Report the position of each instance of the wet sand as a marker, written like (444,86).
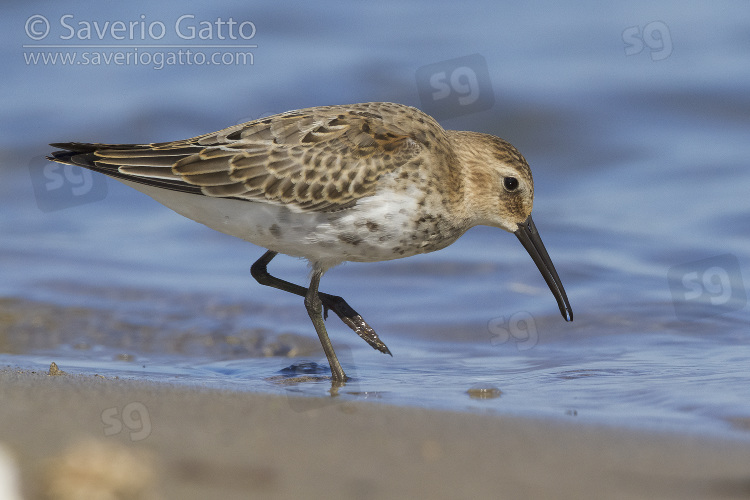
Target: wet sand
(71,434)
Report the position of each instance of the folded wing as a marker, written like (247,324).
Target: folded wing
(317,159)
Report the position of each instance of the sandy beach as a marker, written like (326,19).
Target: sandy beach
(71,435)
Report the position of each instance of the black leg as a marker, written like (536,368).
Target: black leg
(349,316)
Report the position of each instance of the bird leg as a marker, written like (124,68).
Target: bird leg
(315,308)
(344,311)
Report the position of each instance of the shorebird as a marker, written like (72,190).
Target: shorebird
(362,182)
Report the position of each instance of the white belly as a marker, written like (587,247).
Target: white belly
(379,227)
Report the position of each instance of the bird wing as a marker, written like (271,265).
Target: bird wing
(315,159)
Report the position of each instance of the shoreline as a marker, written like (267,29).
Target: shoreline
(158,440)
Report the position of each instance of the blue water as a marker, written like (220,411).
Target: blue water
(641,181)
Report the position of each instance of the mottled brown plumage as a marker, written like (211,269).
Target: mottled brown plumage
(320,159)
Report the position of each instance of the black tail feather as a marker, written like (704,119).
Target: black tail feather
(83,155)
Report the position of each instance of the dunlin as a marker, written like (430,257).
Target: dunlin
(362,182)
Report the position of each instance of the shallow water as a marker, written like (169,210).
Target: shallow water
(640,165)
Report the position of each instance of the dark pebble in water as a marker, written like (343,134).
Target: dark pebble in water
(304,367)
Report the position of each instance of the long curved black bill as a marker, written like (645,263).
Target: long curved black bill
(532,242)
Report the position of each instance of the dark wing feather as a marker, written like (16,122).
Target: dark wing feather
(321,159)
(84,155)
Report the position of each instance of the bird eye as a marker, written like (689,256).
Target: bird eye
(510,183)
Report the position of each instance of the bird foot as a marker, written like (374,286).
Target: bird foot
(353,320)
